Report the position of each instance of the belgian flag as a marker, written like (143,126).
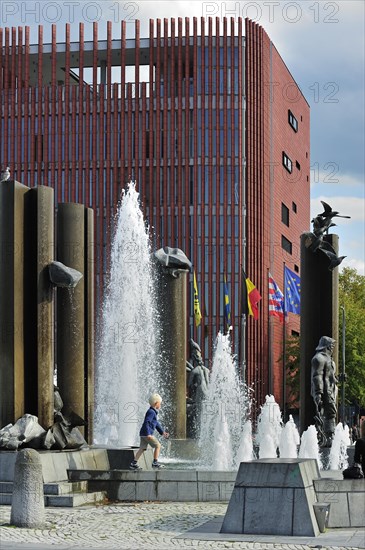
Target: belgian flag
(250,297)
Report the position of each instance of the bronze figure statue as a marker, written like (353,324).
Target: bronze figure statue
(324,390)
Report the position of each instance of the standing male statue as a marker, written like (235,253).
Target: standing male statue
(324,390)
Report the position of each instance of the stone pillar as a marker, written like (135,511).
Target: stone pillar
(318,317)
(172,299)
(39,304)
(11,301)
(27,507)
(71,309)
(89,323)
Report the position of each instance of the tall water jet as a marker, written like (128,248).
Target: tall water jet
(338,458)
(269,427)
(224,410)
(127,361)
(289,440)
(309,447)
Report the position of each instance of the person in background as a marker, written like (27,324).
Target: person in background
(359,456)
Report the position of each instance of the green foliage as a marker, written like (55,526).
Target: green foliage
(352,298)
(292,362)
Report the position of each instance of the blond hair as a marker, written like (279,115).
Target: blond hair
(154,398)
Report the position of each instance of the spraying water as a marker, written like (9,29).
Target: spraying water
(269,427)
(338,459)
(126,369)
(289,440)
(309,447)
(245,451)
(224,411)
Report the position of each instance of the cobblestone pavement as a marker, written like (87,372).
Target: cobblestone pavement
(133,526)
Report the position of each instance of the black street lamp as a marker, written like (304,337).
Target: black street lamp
(342,377)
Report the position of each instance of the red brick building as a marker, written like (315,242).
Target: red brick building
(214,130)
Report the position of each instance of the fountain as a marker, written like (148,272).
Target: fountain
(224,412)
(269,427)
(289,440)
(309,447)
(127,360)
(338,458)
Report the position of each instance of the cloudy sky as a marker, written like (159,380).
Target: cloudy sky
(321,42)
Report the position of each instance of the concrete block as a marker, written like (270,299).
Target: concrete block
(167,490)
(187,491)
(208,491)
(233,520)
(6,487)
(48,467)
(7,464)
(356,502)
(225,490)
(176,475)
(263,511)
(61,461)
(216,476)
(74,460)
(304,514)
(124,491)
(273,497)
(146,491)
(276,473)
(101,459)
(339,512)
(87,459)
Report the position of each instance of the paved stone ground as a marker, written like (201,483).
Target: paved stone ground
(138,526)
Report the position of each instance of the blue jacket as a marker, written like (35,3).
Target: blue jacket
(150,423)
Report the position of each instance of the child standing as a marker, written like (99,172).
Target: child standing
(150,424)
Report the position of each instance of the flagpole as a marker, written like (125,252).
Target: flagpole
(284,350)
(269,330)
(242,335)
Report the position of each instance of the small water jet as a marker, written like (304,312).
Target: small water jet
(224,412)
(127,360)
(289,440)
(269,427)
(338,458)
(309,447)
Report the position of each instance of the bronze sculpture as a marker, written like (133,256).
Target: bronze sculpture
(324,390)
(315,240)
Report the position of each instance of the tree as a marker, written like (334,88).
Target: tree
(292,364)
(352,298)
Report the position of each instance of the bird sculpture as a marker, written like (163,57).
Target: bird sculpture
(322,222)
(5,176)
(315,241)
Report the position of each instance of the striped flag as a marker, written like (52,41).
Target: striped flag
(197,312)
(250,297)
(276,300)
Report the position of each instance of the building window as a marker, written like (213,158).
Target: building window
(296,268)
(287,163)
(284,214)
(292,121)
(297,165)
(295,333)
(294,207)
(286,245)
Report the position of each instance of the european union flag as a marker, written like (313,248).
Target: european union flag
(292,291)
(227,307)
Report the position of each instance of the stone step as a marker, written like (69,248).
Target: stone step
(60,488)
(75,499)
(69,500)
